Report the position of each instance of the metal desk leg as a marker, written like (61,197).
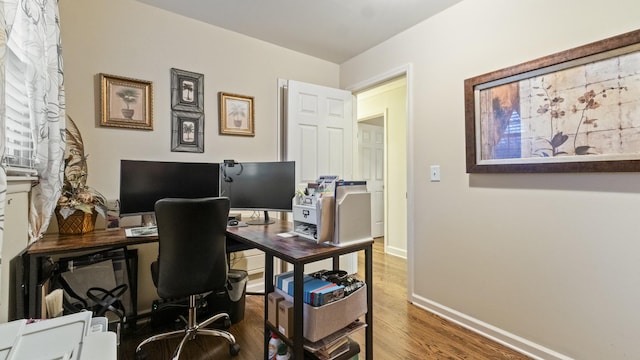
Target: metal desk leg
(268,287)
(368,263)
(33,262)
(298,317)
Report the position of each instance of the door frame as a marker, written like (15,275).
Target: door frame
(405,70)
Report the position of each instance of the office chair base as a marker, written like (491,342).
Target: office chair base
(190,333)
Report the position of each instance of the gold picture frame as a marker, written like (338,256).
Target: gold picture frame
(236,114)
(126,102)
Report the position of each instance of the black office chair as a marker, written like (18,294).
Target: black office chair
(191,262)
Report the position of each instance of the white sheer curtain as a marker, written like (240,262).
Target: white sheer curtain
(3,174)
(33,36)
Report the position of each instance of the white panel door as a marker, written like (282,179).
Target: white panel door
(371,160)
(319,128)
(319,131)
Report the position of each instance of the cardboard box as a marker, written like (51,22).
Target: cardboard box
(285,318)
(273,299)
(324,320)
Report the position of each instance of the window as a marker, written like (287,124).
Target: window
(510,142)
(19,153)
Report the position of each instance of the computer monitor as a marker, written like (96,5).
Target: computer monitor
(142,183)
(259,186)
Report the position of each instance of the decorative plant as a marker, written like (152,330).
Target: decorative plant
(188,129)
(553,107)
(187,87)
(76,195)
(128,95)
(237,113)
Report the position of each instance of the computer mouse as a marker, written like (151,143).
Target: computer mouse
(233,223)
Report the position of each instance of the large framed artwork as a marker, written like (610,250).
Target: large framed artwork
(573,111)
(126,102)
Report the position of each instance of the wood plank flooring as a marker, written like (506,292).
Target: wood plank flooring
(402,331)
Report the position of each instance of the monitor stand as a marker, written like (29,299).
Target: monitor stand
(262,221)
(148,220)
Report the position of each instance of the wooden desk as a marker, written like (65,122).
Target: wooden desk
(55,244)
(296,251)
(299,252)
(95,240)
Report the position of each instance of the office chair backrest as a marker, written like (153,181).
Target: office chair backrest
(192,245)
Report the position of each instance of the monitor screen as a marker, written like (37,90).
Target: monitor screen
(264,186)
(142,183)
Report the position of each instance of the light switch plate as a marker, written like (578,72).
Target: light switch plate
(435,172)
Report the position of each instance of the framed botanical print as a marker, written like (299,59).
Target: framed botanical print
(572,111)
(187,132)
(236,114)
(187,90)
(126,102)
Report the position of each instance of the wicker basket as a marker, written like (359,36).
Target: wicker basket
(77,223)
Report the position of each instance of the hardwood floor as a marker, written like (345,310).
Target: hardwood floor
(401,330)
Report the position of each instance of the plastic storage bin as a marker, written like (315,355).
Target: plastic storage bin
(324,320)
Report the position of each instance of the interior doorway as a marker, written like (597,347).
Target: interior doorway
(382,157)
(371,163)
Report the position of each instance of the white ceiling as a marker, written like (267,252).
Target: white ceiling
(334,30)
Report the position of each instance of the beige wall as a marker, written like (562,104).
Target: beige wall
(390,99)
(131,39)
(546,262)
(550,258)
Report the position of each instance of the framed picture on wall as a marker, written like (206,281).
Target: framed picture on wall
(573,111)
(187,90)
(236,114)
(187,132)
(126,102)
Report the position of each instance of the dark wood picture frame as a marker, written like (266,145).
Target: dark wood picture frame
(187,90)
(187,132)
(575,111)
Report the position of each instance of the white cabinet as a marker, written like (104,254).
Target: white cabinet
(15,236)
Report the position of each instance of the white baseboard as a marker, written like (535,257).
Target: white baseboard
(517,343)
(255,286)
(401,253)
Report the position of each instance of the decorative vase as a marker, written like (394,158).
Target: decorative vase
(77,223)
(127,113)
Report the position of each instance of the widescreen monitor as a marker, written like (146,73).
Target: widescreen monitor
(142,183)
(259,186)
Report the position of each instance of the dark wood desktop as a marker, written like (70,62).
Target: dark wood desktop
(294,250)
(98,239)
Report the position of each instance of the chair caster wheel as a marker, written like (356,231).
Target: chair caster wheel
(227,323)
(141,355)
(234,349)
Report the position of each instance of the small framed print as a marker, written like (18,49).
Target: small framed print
(187,90)
(236,114)
(126,102)
(187,132)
